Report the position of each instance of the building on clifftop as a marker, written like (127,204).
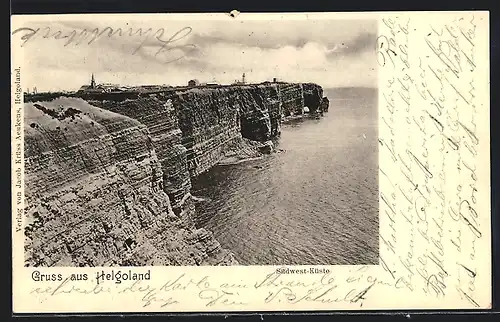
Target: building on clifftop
(242,81)
(193,82)
(100,88)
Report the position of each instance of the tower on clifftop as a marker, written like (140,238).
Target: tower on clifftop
(243,79)
(92,81)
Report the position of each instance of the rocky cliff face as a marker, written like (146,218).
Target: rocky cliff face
(269,97)
(156,111)
(94,193)
(210,124)
(313,96)
(292,98)
(325,104)
(115,169)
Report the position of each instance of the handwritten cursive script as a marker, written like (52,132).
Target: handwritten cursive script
(432,190)
(429,146)
(157,39)
(273,288)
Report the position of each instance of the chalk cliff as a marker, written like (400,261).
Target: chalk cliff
(210,125)
(157,113)
(108,175)
(94,194)
(292,98)
(295,97)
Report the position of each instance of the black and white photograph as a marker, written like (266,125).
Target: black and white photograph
(200,142)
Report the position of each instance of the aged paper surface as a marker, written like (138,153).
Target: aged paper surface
(108,180)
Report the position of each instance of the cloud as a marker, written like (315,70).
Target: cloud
(329,52)
(276,34)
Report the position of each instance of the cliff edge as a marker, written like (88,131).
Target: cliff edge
(95,197)
(108,175)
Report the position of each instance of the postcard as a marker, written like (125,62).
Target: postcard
(233,162)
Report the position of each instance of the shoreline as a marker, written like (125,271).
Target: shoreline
(292,118)
(232,161)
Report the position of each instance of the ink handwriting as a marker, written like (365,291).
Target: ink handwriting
(429,147)
(164,45)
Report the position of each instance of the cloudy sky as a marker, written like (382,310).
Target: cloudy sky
(332,53)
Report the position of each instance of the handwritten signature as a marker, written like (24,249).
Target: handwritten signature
(324,289)
(163,44)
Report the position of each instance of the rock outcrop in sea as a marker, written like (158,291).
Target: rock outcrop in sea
(108,175)
(325,104)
